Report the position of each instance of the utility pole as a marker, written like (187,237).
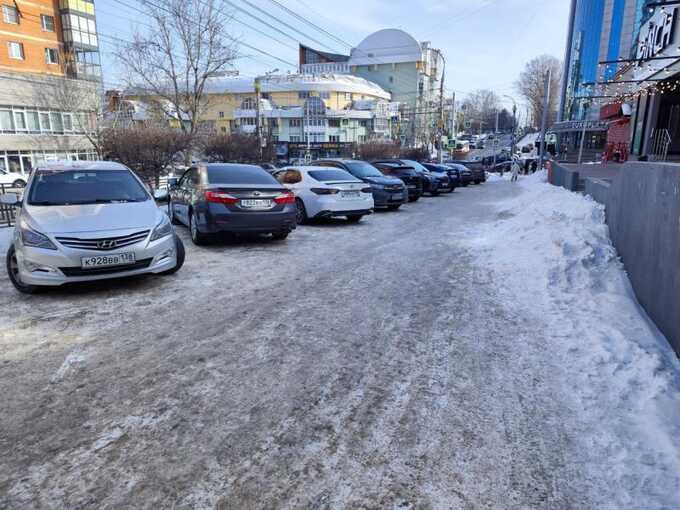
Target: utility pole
(258,128)
(544,120)
(495,142)
(441,112)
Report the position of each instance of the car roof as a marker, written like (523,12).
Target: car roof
(57,166)
(308,168)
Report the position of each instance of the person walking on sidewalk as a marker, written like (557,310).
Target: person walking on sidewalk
(515,169)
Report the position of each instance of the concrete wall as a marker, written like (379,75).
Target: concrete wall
(598,189)
(643,213)
(560,176)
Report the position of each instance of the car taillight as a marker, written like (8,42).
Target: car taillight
(325,191)
(217,197)
(367,190)
(285,198)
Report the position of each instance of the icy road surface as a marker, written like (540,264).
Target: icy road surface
(480,350)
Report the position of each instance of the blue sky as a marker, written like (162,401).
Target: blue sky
(486,42)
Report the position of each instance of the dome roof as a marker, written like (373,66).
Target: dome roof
(390,45)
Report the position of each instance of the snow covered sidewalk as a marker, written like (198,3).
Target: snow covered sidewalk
(551,257)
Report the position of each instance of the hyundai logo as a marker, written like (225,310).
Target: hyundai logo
(256,193)
(108,244)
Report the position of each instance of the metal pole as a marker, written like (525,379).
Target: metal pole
(583,134)
(544,120)
(495,141)
(258,130)
(441,110)
(514,122)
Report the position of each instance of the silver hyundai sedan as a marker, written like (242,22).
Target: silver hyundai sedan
(83,220)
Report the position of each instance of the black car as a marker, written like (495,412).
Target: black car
(218,197)
(452,173)
(410,178)
(432,184)
(388,192)
(476,169)
(464,172)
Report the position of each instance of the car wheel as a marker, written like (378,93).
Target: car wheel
(196,237)
(301,214)
(434,193)
(451,189)
(180,253)
(393,207)
(355,218)
(13,273)
(173,219)
(19,184)
(413,199)
(280,236)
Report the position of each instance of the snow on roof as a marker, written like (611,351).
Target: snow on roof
(296,83)
(386,46)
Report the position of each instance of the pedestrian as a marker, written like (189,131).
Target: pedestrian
(515,169)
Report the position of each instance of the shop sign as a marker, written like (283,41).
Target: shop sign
(656,34)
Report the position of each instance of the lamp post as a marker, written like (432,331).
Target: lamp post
(514,123)
(258,95)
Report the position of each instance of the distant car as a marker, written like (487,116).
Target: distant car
(432,184)
(476,169)
(464,173)
(218,197)
(443,177)
(88,220)
(323,192)
(388,192)
(13,179)
(452,173)
(411,179)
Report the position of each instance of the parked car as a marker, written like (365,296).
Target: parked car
(323,192)
(442,175)
(88,220)
(452,173)
(212,198)
(431,183)
(12,179)
(464,173)
(411,179)
(388,192)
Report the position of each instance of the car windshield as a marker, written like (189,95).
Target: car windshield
(331,175)
(416,165)
(239,174)
(72,187)
(362,169)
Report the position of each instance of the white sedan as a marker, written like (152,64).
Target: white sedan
(323,192)
(12,179)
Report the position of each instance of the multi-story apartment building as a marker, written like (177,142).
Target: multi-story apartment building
(410,71)
(49,81)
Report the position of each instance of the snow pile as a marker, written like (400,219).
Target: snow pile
(551,254)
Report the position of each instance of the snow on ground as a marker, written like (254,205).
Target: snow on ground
(6,234)
(552,251)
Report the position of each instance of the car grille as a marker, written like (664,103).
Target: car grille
(394,187)
(104,243)
(77,271)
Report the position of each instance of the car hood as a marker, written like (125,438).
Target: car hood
(382,180)
(64,219)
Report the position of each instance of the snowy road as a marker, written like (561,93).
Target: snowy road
(438,357)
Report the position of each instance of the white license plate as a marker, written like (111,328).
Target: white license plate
(256,204)
(350,194)
(397,196)
(118,259)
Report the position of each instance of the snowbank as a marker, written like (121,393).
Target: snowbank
(551,254)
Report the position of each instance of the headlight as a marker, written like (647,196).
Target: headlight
(35,239)
(378,186)
(163,229)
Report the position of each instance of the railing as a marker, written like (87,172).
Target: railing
(7,212)
(661,141)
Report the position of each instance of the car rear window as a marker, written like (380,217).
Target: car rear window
(332,174)
(239,174)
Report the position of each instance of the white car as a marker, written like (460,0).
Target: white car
(12,179)
(323,192)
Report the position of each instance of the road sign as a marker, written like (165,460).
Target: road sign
(468,124)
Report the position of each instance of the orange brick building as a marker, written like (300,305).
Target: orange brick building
(46,46)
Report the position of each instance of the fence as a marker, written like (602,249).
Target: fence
(7,212)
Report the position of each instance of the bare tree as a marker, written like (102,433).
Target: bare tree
(149,150)
(172,61)
(530,86)
(480,107)
(373,150)
(235,148)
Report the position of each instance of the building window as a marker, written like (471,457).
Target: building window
(16,50)
(325,95)
(333,123)
(295,139)
(265,95)
(33,122)
(51,56)
(248,104)
(345,122)
(10,14)
(348,96)
(220,115)
(294,123)
(47,23)
(334,138)
(223,129)
(6,120)
(391,79)
(45,122)
(362,138)
(274,123)
(363,123)
(57,124)
(68,122)
(304,94)
(20,120)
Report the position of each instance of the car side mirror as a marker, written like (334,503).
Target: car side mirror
(10,199)
(160,194)
(172,182)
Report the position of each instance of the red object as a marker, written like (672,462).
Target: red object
(218,197)
(285,198)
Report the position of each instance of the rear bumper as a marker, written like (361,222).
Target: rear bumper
(352,212)
(219,219)
(385,198)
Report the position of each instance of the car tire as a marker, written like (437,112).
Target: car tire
(19,184)
(393,207)
(413,199)
(354,218)
(301,213)
(451,189)
(13,273)
(280,236)
(434,193)
(196,237)
(173,219)
(180,253)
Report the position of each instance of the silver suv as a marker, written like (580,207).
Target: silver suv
(87,220)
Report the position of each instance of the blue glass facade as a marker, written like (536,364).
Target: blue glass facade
(585,49)
(615,37)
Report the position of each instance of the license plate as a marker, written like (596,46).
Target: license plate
(397,196)
(119,259)
(256,204)
(350,194)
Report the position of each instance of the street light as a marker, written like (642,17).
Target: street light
(514,115)
(258,129)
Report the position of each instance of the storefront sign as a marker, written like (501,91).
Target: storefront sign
(579,125)
(656,34)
